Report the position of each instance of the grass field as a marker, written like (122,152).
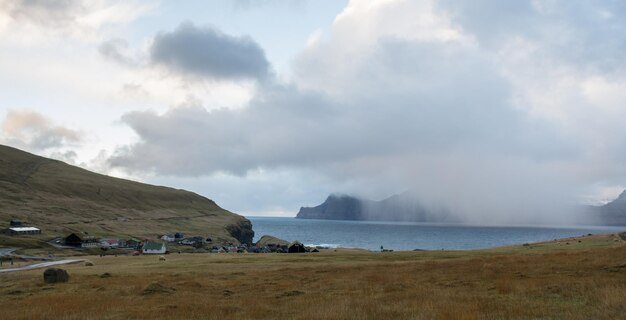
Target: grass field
(578,278)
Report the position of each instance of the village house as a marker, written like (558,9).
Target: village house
(109,243)
(90,242)
(154,248)
(192,241)
(168,238)
(15,231)
(133,243)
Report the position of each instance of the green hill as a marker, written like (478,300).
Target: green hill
(60,198)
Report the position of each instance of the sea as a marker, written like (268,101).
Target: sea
(410,236)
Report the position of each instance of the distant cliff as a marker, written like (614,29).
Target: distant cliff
(336,207)
(612,213)
(402,207)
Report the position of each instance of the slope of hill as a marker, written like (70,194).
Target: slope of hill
(402,207)
(60,198)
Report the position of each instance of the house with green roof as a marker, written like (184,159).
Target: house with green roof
(154,248)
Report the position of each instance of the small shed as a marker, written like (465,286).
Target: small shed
(168,238)
(154,248)
(16,223)
(296,247)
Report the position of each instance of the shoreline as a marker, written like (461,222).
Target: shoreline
(371,236)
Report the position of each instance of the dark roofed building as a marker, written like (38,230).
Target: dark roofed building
(73,240)
(296,247)
(15,223)
(133,243)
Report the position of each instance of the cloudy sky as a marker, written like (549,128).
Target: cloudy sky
(502,110)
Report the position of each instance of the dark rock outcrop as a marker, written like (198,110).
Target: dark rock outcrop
(242,231)
(55,275)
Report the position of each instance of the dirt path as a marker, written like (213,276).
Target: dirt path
(42,265)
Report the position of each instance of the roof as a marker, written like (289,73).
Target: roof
(153,246)
(110,241)
(21,229)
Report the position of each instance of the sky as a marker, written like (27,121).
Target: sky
(503,111)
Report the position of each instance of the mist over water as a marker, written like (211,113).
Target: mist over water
(478,190)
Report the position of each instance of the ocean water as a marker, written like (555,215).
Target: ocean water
(409,236)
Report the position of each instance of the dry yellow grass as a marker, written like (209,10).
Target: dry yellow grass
(582,280)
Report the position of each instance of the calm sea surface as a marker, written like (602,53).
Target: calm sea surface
(408,236)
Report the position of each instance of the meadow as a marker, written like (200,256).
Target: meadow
(577,278)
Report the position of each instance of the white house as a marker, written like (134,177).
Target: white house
(168,238)
(154,248)
(21,231)
(109,243)
(90,243)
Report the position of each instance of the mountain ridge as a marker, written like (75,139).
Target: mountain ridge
(404,207)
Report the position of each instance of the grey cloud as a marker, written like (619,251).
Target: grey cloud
(591,34)
(287,127)
(251,4)
(32,131)
(115,49)
(45,12)
(209,53)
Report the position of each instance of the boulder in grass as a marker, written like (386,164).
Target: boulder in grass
(156,287)
(54,275)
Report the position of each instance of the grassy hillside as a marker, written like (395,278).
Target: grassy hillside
(60,198)
(564,279)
